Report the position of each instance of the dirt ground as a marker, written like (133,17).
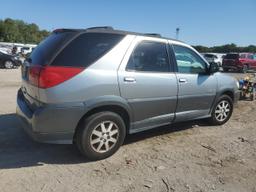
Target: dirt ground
(183,157)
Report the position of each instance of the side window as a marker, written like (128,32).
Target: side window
(149,56)
(188,61)
(250,56)
(86,49)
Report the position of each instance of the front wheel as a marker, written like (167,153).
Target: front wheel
(100,135)
(8,64)
(222,110)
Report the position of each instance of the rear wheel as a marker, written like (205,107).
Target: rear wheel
(222,110)
(225,69)
(8,64)
(100,135)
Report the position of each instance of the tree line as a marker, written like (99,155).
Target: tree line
(225,48)
(17,31)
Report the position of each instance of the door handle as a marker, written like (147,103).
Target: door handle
(182,80)
(130,79)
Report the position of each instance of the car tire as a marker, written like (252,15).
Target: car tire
(8,64)
(245,68)
(100,135)
(225,69)
(222,110)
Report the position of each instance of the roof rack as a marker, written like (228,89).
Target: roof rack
(63,30)
(101,27)
(153,34)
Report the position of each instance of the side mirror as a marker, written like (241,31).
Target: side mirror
(213,68)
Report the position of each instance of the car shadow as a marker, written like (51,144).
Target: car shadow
(17,150)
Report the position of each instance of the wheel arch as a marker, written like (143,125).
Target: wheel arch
(229,93)
(121,108)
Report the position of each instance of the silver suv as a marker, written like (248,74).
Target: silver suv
(92,87)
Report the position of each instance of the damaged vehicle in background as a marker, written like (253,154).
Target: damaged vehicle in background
(9,61)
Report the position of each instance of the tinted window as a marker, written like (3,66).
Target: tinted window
(44,52)
(188,61)
(210,56)
(86,49)
(232,56)
(250,56)
(149,56)
(242,55)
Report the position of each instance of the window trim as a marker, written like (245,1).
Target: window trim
(175,60)
(151,41)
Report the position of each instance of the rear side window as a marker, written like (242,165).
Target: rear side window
(44,52)
(86,49)
(149,56)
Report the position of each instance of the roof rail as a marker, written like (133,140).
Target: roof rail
(101,27)
(63,30)
(153,34)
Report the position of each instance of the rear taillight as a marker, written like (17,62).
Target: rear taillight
(33,74)
(50,76)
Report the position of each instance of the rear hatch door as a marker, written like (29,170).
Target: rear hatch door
(41,56)
(231,59)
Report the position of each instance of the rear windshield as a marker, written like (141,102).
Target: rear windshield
(44,52)
(209,55)
(86,49)
(232,56)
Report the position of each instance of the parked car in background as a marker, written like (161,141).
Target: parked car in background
(93,87)
(5,50)
(9,61)
(26,50)
(213,58)
(241,62)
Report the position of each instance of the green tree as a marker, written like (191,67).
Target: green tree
(20,32)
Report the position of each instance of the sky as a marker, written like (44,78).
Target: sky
(201,22)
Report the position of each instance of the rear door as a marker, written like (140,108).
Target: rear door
(197,89)
(147,82)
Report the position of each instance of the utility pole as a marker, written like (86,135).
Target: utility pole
(177,32)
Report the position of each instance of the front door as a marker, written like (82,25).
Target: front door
(197,88)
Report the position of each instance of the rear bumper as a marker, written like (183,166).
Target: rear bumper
(49,123)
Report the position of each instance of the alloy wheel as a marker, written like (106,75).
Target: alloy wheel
(222,110)
(8,64)
(104,136)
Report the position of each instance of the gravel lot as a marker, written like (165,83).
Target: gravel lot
(183,157)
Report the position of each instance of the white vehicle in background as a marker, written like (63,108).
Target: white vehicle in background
(214,58)
(20,47)
(26,50)
(5,50)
